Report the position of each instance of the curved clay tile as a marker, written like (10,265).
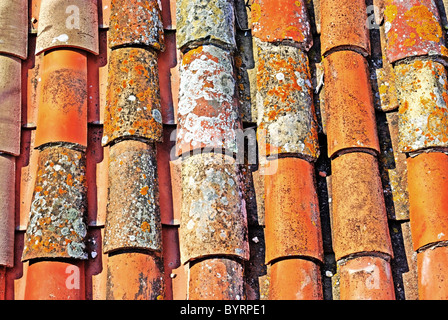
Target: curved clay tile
(62,115)
(286,119)
(63,23)
(133,96)
(10,104)
(295,279)
(344,26)
(359,221)
(7,207)
(133,213)
(208,114)
(201,22)
(292,216)
(285,22)
(433,270)
(413,28)
(351,121)
(57,227)
(213,217)
(14,28)
(423,113)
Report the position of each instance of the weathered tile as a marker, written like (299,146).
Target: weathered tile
(213,215)
(427,183)
(65,24)
(133,212)
(216,279)
(169,14)
(350,115)
(432,269)
(292,217)
(288,23)
(359,220)
(295,279)
(56,228)
(136,23)
(286,119)
(14,28)
(366,278)
(423,113)
(343,26)
(413,28)
(133,96)
(104,8)
(202,22)
(208,114)
(7,207)
(55,280)
(62,115)
(134,276)
(10,104)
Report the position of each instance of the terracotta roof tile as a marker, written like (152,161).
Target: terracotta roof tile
(432,265)
(55,280)
(292,212)
(133,213)
(413,28)
(349,107)
(366,278)
(344,26)
(64,24)
(10,104)
(295,279)
(216,279)
(134,276)
(14,28)
(213,23)
(104,8)
(422,86)
(359,220)
(288,23)
(287,122)
(208,114)
(133,96)
(427,178)
(62,115)
(134,22)
(60,183)
(7,207)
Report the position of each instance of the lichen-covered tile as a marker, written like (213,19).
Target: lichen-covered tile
(201,22)
(136,23)
(287,23)
(10,104)
(423,113)
(134,276)
(413,28)
(344,26)
(7,207)
(133,96)
(359,219)
(349,110)
(366,278)
(216,279)
(208,113)
(57,227)
(427,183)
(213,215)
(63,23)
(133,212)
(14,28)
(292,216)
(286,119)
(62,114)
(295,279)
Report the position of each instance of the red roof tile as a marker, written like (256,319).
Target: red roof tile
(432,266)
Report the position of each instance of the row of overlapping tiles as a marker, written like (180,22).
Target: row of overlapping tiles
(286,125)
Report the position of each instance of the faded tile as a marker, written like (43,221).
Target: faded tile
(7,207)
(14,28)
